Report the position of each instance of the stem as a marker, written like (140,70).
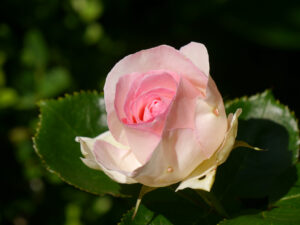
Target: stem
(144,190)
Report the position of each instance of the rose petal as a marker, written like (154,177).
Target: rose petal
(123,87)
(226,148)
(197,53)
(138,106)
(87,146)
(162,57)
(182,112)
(157,79)
(211,121)
(116,128)
(175,157)
(204,182)
(115,125)
(141,142)
(185,99)
(218,158)
(180,139)
(113,155)
(145,83)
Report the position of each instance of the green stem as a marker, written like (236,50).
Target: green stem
(144,190)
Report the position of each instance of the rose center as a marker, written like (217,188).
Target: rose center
(156,107)
(149,96)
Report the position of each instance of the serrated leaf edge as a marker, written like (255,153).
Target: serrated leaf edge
(128,212)
(263,94)
(39,125)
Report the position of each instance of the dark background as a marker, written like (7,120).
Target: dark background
(48,48)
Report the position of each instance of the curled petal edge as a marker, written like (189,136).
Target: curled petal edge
(89,159)
(198,54)
(204,175)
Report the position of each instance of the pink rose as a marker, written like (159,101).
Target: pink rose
(166,119)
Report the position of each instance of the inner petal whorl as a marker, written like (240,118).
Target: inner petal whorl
(149,96)
(156,107)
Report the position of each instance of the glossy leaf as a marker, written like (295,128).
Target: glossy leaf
(60,122)
(253,179)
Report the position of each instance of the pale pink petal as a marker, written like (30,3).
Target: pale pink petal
(145,83)
(113,155)
(123,86)
(89,158)
(179,139)
(207,167)
(157,79)
(180,115)
(211,120)
(116,128)
(183,109)
(141,142)
(137,107)
(86,147)
(197,53)
(176,156)
(140,83)
(159,58)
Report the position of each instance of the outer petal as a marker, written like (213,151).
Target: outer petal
(208,167)
(113,155)
(204,182)
(116,128)
(90,158)
(176,156)
(197,52)
(141,142)
(211,121)
(228,144)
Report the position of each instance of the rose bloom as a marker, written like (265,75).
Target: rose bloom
(166,120)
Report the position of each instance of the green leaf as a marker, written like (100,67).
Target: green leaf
(253,179)
(144,216)
(60,122)
(264,106)
(285,212)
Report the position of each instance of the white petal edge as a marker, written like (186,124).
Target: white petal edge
(86,146)
(208,167)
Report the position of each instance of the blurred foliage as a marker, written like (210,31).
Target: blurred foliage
(48,48)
